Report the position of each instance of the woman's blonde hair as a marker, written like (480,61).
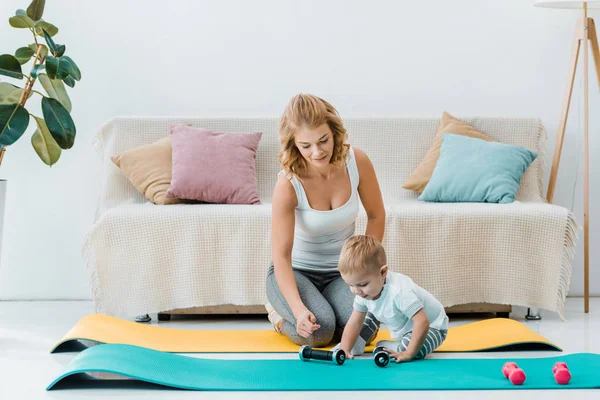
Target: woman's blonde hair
(308,111)
(360,253)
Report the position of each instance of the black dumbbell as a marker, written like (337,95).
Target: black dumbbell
(307,353)
(381,357)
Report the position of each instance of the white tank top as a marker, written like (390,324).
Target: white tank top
(320,235)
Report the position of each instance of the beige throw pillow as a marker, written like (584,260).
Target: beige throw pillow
(448,124)
(148,168)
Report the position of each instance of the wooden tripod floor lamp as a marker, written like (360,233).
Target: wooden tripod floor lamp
(585,38)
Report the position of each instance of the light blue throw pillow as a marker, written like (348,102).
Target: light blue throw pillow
(474,170)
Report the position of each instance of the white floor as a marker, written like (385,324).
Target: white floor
(29,329)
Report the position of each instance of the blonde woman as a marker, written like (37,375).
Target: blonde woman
(315,205)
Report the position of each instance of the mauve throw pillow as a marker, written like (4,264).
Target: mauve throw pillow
(214,167)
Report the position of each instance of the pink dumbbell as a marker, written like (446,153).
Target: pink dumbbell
(559,364)
(515,374)
(562,376)
(509,366)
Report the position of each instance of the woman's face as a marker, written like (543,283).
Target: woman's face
(315,145)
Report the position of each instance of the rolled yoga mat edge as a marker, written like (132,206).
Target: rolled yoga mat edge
(184,372)
(486,335)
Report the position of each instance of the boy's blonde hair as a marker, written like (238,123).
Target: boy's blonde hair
(308,111)
(361,252)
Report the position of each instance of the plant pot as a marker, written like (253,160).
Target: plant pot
(2,201)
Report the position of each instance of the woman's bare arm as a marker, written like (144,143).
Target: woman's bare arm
(370,196)
(282,241)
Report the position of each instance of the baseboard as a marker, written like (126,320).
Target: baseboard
(260,309)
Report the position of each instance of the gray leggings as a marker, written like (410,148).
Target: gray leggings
(327,296)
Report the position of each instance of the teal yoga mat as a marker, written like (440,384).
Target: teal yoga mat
(182,372)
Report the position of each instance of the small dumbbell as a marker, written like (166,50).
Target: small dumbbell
(561,372)
(381,357)
(559,364)
(515,374)
(307,353)
(507,368)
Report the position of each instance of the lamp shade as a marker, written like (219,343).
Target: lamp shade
(567,3)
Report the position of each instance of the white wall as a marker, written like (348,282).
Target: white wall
(207,58)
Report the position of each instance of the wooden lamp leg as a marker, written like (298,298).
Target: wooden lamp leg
(585,34)
(586,162)
(594,46)
(593,39)
(560,134)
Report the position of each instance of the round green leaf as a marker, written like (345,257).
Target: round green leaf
(14,120)
(23,54)
(10,66)
(44,144)
(60,50)
(59,122)
(43,52)
(10,94)
(41,26)
(69,81)
(49,41)
(56,90)
(21,21)
(57,68)
(36,9)
(75,72)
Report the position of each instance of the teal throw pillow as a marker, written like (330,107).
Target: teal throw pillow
(474,170)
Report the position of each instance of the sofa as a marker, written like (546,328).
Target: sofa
(212,258)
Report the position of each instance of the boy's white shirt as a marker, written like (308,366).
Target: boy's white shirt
(400,300)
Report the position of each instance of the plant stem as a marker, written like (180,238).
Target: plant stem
(30,80)
(28,86)
(34,37)
(40,93)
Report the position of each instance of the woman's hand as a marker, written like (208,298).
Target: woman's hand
(306,323)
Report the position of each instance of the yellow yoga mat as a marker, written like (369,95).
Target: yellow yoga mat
(496,333)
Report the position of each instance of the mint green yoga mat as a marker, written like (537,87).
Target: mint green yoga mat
(182,372)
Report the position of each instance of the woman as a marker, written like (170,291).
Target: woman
(315,205)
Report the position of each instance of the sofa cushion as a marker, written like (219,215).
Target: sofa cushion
(400,147)
(448,124)
(148,168)
(214,167)
(474,170)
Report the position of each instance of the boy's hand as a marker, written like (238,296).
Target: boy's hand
(348,355)
(401,356)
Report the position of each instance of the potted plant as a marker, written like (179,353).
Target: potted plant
(53,69)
